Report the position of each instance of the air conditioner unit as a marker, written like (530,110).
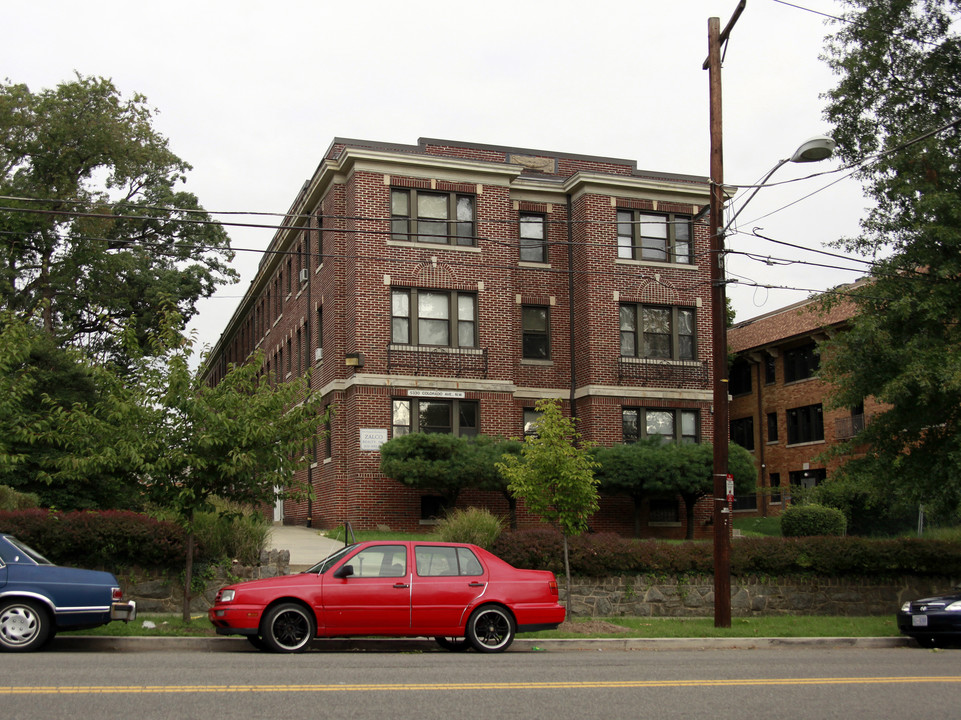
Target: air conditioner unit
(304,275)
(318,354)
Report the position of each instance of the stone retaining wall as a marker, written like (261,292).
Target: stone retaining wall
(640,595)
(646,596)
(164,592)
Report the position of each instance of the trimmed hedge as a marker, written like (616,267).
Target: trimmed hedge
(602,554)
(812,519)
(109,539)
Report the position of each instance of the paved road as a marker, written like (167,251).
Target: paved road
(783,684)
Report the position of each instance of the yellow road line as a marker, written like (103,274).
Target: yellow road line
(441,687)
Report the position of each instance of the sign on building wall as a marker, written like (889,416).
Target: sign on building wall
(449,394)
(372,438)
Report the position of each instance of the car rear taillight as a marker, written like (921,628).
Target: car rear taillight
(116,594)
(553,587)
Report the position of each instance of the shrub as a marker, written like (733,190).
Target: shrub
(11,499)
(111,539)
(812,519)
(231,532)
(825,556)
(472,525)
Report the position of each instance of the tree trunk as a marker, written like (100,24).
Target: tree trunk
(567,571)
(188,575)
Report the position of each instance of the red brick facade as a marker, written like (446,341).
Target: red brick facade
(340,262)
(773,377)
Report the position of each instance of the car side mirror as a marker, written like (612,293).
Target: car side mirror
(344,571)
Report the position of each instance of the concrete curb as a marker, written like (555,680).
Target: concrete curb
(80,643)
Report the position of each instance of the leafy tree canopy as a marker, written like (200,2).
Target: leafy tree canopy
(94,230)
(899,97)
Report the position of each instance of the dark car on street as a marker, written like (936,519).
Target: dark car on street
(933,621)
(38,598)
(459,594)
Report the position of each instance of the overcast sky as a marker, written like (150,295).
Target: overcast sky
(252,93)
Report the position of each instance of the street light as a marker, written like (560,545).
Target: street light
(816,149)
(813,150)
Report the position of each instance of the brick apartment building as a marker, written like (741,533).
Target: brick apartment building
(448,286)
(778,406)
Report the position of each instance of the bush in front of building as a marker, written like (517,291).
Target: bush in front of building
(812,520)
(11,499)
(110,539)
(600,555)
(471,525)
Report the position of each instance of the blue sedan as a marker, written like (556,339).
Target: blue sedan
(38,598)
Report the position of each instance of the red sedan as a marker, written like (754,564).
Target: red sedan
(460,594)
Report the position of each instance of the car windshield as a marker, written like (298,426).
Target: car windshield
(325,564)
(28,552)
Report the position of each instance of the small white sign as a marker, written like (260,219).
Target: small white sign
(451,394)
(372,438)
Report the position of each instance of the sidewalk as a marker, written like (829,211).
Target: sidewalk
(307,546)
(67,643)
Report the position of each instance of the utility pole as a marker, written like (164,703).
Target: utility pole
(722,513)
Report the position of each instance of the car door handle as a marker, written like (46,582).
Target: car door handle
(401,586)
(476,584)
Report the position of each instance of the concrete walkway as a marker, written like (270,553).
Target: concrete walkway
(307,546)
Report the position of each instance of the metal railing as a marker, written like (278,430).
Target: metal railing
(428,360)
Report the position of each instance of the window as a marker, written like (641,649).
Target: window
(533,238)
(328,432)
(800,363)
(740,377)
(770,370)
(772,427)
(531,418)
(535,320)
(663,511)
(320,239)
(808,478)
(660,238)
(775,482)
(655,332)
(742,432)
(441,561)
(672,425)
(319,350)
(433,317)
(380,561)
(805,424)
(453,417)
(444,218)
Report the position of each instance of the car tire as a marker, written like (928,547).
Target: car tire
(490,629)
(453,644)
(257,642)
(287,628)
(927,641)
(24,626)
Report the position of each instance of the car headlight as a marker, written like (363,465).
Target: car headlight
(227,595)
(906,607)
(954,607)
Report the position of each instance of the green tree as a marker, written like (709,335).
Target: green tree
(554,476)
(94,230)
(61,423)
(625,470)
(899,99)
(688,471)
(447,464)
(240,440)
(52,377)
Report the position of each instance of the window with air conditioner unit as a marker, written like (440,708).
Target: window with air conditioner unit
(303,275)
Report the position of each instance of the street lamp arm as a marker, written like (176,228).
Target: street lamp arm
(816,149)
(751,196)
